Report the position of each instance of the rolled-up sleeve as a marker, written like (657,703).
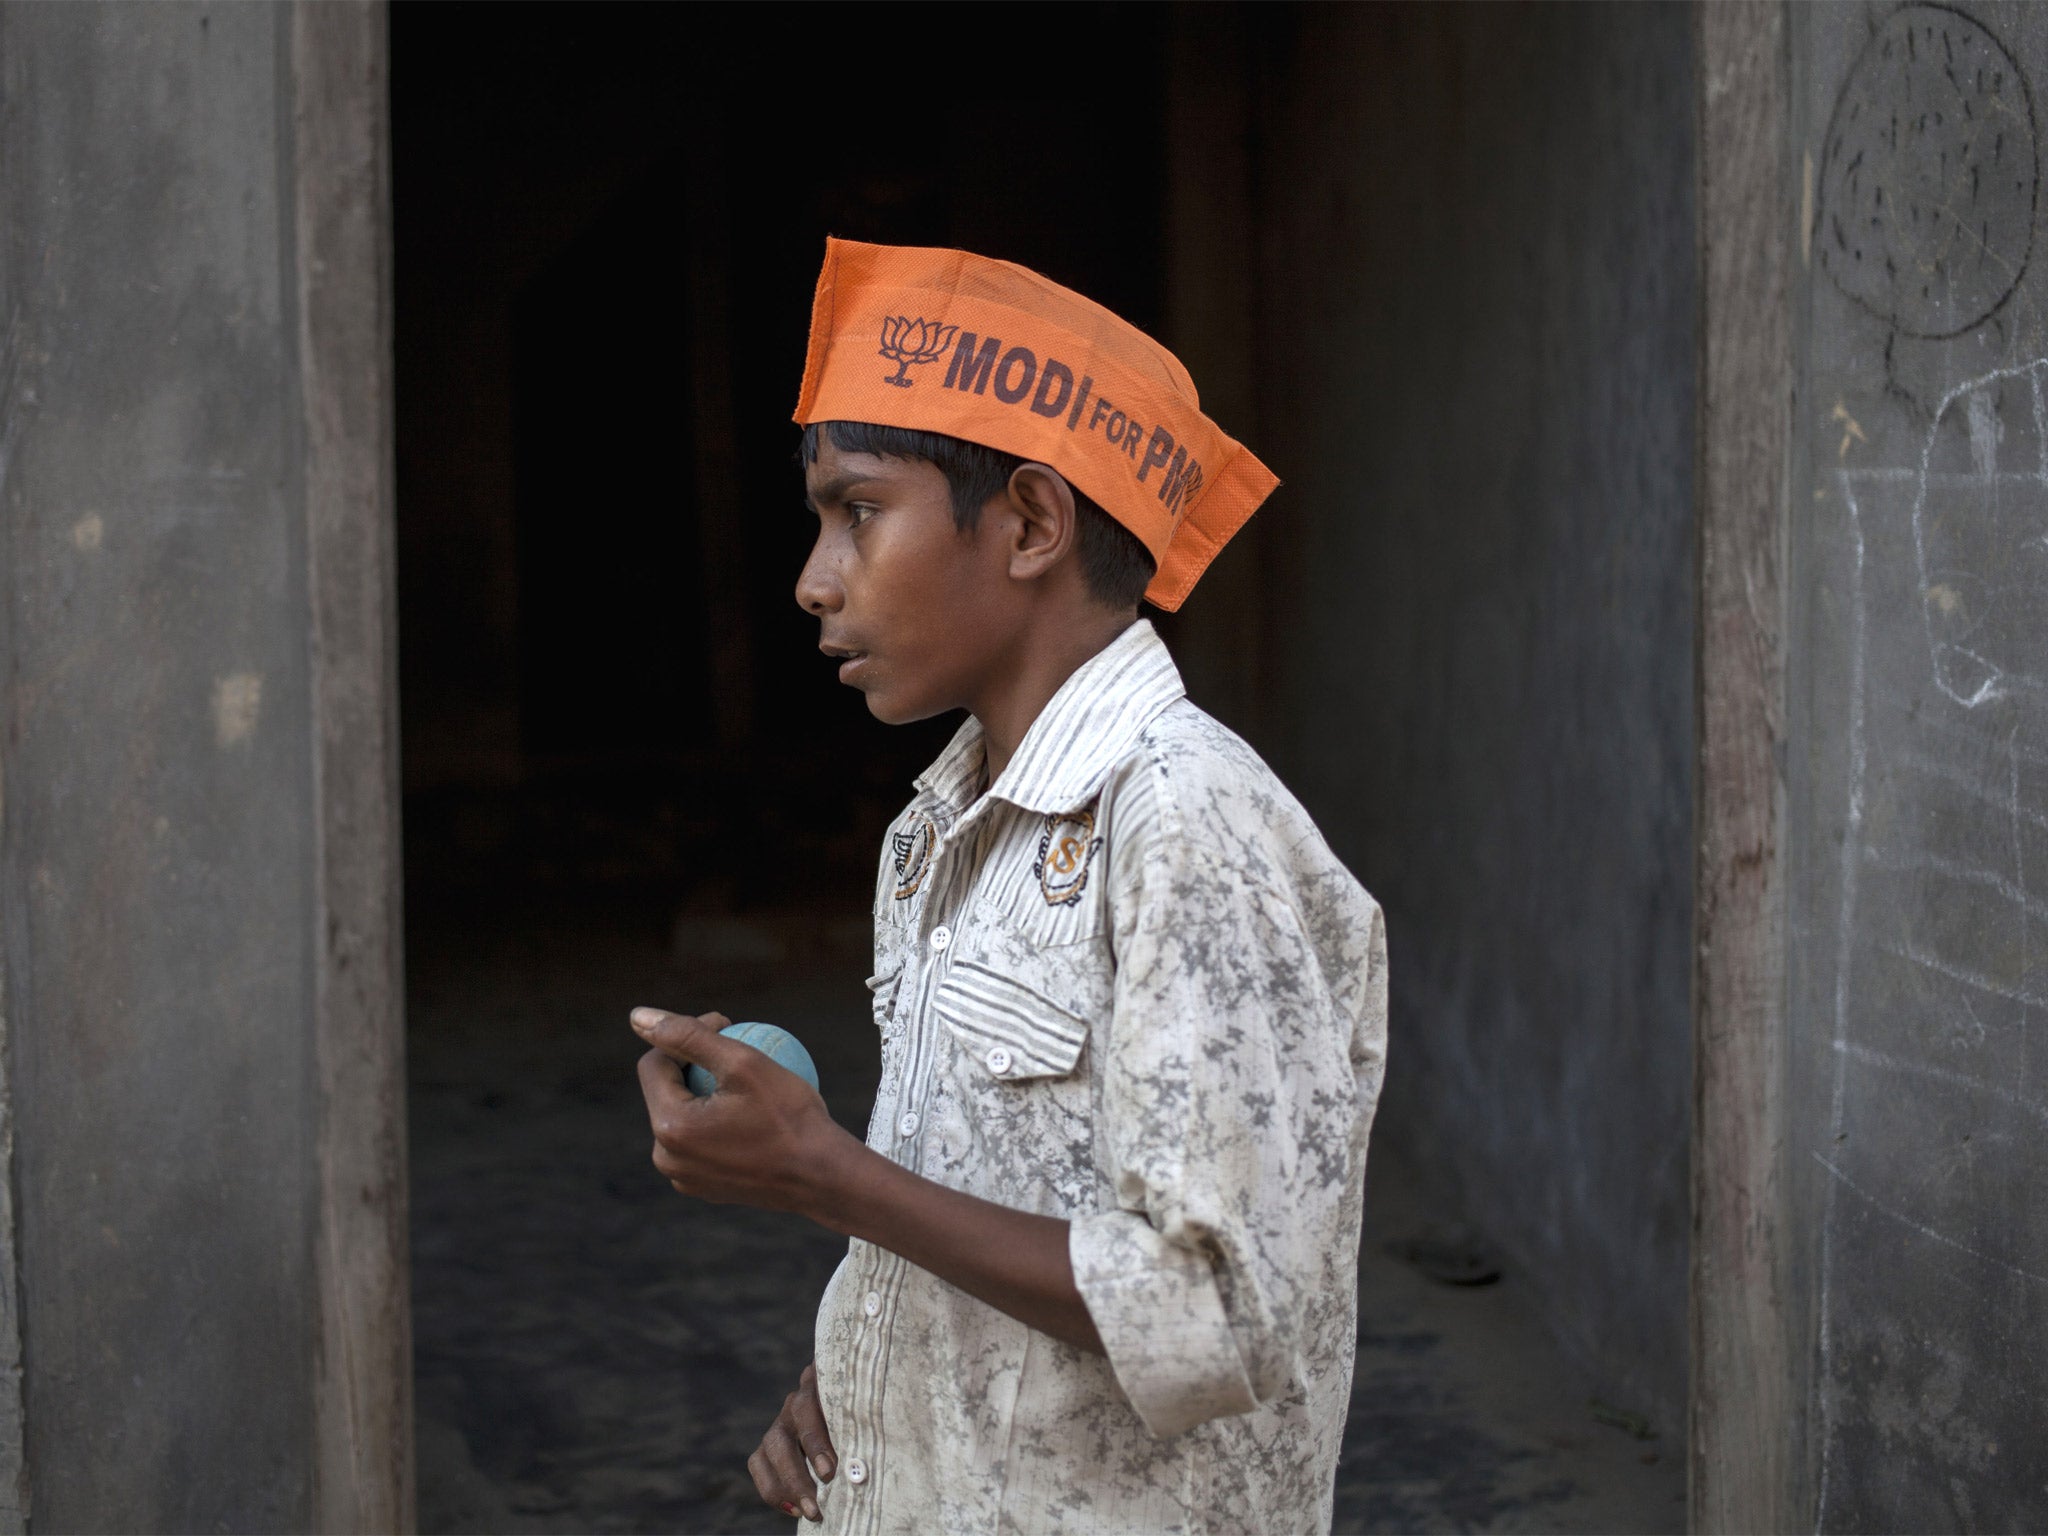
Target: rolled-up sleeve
(1232,1113)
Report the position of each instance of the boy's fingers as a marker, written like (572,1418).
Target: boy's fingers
(768,1485)
(683,1038)
(773,1484)
(786,1465)
(661,1081)
(667,1164)
(809,1420)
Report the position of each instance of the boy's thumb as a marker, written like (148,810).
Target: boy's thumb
(680,1037)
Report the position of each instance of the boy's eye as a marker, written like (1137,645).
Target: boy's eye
(858,512)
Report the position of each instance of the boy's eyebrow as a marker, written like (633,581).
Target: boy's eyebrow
(834,489)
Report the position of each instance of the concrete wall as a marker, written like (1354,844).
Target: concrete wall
(1472,235)
(1917,687)
(197,898)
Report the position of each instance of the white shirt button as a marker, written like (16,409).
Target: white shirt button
(907,1126)
(873,1304)
(941,937)
(856,1471)
(998,1060)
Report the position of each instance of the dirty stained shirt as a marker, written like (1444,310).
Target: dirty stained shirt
(1129,986)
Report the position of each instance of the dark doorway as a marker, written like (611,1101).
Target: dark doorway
(630,777)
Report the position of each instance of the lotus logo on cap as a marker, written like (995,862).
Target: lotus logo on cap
(906,341)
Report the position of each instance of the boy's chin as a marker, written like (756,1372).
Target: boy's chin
(893,708)
(880,706)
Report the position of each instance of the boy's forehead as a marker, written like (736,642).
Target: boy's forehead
(835,471)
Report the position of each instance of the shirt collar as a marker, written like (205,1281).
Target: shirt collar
(1077,738)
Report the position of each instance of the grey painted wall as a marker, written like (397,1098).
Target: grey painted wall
(1472,234)
(1918,765)
(192,611)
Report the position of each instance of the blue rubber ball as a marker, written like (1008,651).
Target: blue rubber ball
(778,1045)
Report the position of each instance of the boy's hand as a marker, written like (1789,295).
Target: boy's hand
(796,1439)
(763,1139)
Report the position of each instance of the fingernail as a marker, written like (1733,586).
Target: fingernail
(822,1465)
(646,1018)
(810,1509)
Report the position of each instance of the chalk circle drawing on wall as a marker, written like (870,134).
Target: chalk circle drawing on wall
(1929,175)
(1980,536)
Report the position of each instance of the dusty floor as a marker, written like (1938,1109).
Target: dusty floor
(597,1354)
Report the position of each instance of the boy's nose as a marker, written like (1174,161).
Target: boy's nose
(817,590)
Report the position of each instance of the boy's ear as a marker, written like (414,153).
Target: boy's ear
(1047,521)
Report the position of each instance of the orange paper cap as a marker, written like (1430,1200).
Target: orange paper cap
(946,341)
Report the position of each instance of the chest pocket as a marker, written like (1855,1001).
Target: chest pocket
(1022,1008)
(1016,1031)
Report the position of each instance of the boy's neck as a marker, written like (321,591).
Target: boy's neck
(1012,701)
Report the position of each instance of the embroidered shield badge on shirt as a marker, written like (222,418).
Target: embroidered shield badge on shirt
(913,847)
(1065,850)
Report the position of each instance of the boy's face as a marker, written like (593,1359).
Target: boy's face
(920,611)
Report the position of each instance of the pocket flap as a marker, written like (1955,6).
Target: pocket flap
(1002,1020)
(884,987)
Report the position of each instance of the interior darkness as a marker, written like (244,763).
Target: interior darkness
(629,774)
(608,224)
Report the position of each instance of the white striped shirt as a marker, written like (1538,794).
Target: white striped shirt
(1129,986)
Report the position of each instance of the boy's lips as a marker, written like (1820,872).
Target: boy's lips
(850,660)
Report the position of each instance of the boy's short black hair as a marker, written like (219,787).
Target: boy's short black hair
(1115,565)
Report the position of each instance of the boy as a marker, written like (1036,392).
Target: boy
(1103,1246)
